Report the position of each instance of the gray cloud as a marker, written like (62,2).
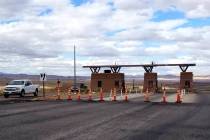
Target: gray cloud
(45,43)
(12,8)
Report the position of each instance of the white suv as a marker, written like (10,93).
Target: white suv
(20,87)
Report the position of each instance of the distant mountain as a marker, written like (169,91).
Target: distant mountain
(37,77)
(85,78)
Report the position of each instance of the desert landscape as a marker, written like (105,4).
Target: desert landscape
(104,69)
(201,84)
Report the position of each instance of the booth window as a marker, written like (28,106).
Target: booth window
(187,84)
(117,83)
(99,84)
(150,84)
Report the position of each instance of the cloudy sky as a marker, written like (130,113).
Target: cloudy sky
(39,35)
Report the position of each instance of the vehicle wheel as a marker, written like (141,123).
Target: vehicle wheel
(36,92)
(22,93)
(6,95)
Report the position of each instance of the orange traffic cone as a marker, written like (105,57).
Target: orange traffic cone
(59,96)
(58,93)
(178,98)
(111,95)
(164,96)
(69,95)
(90,95)
(164,99)
(146,96)
(58,90)
(101,95)
(78,96)
(114,96)
(126,95)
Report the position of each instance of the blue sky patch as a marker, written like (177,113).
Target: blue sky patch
(45,12)
(112,33)
(156,43)
(197,23)
(78,2)
(111,4)
(167,15)
(8,21)
(175,14)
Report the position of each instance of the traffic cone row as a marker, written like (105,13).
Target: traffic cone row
(114,98)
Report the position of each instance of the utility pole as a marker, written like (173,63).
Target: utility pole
(133,84)
(43,78)
(43,88)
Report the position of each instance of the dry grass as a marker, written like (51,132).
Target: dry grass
(1,90)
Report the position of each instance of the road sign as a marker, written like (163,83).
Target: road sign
(43,77)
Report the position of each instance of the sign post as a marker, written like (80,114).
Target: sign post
(58,89)
(43,78)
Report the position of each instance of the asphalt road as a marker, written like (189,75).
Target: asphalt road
(134,120)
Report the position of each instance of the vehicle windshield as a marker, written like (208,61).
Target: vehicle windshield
(16,83)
